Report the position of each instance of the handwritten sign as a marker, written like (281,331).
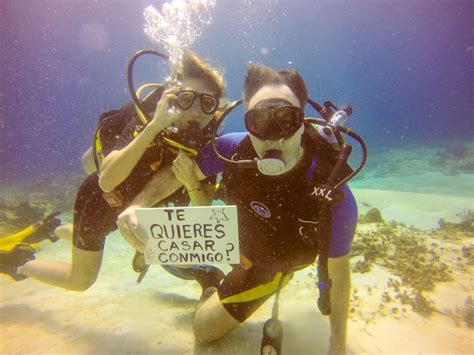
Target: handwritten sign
(190,235)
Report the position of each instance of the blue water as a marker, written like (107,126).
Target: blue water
(405,66)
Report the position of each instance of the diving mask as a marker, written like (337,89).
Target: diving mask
(185,99)
(276,123)
(191,135)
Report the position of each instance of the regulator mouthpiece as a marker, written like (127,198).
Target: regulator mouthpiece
(191,136)
(271,164)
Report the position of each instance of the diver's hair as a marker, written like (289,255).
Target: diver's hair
(259,75)
(193,67)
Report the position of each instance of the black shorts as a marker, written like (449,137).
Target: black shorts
(242,291)
(93,216)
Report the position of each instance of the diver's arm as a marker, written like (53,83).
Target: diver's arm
(169,179)
(118,165)
(162,185)
(202,195)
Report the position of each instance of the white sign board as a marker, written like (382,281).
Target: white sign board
(190,235)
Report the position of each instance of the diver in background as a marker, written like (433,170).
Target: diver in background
(278,220)
(188,107)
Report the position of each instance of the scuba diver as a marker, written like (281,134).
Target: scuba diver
(172,119)
(287,178)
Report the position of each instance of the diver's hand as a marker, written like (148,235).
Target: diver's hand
(165,113)
(127,223)
(185,170)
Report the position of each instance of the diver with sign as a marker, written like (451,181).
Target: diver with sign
(287,176)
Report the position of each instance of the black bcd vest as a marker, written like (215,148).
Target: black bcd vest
(278,220)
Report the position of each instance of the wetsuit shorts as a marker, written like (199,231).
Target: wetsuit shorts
(243,291)
(93,217)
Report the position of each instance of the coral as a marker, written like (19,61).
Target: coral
(407,296)
(419,260)
(362,266)
(422,304)
(467,219)
(466,222)
(459,151)
(29,203)
(20,215)
(372,216)
(457,158)
(403,253)
(442,223)
(468,253)
(468,313)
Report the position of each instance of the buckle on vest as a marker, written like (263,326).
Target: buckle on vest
(113,198)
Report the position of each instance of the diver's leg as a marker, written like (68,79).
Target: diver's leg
(76,276)
(339,273)
(93,220)
(240,294)
(212,321)
(64,231)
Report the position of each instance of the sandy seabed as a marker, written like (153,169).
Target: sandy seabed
(117,315)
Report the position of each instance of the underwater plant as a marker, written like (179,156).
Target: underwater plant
(468,313)
(372,216)
(456,159)
(466,223)
(407,255)
(467,219)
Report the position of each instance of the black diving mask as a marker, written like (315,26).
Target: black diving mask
(192,136)
(185,99)
(273,123)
